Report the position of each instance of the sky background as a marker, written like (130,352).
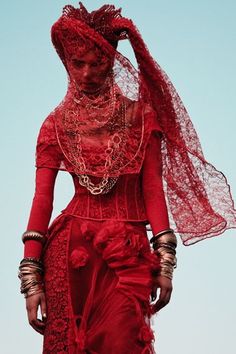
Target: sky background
(194,42)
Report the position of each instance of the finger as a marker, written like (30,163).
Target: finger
(38,326)
(43,308)
(159,304)
(153,297)
(154,293)
(168,296)
(36,323)
(162,301)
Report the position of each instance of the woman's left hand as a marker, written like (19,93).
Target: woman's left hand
(165,285)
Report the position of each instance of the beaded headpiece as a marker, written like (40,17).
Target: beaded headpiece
(100,20)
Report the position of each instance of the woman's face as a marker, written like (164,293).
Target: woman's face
(89,70)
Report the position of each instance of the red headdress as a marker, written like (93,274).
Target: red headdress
(198,196)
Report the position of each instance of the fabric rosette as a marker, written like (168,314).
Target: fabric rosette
(79,257)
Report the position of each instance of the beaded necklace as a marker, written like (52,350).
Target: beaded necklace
(100,109)
(114,111)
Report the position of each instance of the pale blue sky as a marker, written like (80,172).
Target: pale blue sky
(195,43)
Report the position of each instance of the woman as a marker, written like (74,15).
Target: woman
(119,133)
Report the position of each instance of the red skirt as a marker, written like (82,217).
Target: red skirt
(98,280)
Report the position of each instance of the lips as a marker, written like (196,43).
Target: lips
(89,87)
(89,84)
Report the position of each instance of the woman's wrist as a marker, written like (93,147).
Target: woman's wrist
(164,246)
(31,276)
(34,242)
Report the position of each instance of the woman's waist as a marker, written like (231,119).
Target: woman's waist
(118,206)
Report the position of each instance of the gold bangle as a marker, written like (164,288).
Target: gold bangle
(168,246)
(33,235)
(159,234)
(166,241)
(34,292)
(168,262)
(166,274)
(31,260)
(170,238)
(30,273)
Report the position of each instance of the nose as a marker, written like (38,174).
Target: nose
(87,72)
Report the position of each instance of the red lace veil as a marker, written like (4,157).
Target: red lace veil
(198,196)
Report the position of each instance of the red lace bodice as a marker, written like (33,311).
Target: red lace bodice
(135,197)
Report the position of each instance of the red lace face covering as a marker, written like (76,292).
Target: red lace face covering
(90,72)
(100,124)
(105,121)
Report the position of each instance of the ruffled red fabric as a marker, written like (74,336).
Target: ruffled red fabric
(109,290)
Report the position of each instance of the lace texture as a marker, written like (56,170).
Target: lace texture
(198,195)
(56,147)
(125,249)
(58,330)
(199,200)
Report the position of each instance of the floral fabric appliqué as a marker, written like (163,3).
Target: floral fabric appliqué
(79,257)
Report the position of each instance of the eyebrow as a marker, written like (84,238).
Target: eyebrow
(77,59)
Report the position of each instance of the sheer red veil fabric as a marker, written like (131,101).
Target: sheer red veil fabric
(198,196)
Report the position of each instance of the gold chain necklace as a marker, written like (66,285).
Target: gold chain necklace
(106,183)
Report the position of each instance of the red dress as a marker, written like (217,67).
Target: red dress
(97,258)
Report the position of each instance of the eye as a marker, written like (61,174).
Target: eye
(95,64)
(78,63)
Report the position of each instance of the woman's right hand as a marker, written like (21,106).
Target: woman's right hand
(32,304)
(165,286)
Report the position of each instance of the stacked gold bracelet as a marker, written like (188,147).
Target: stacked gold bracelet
(31,276)
(164,245)
(33,235)
(31,269)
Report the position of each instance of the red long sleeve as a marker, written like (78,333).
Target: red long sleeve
(41,209)
(154,197)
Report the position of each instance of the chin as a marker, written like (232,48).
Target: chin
(90,89)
